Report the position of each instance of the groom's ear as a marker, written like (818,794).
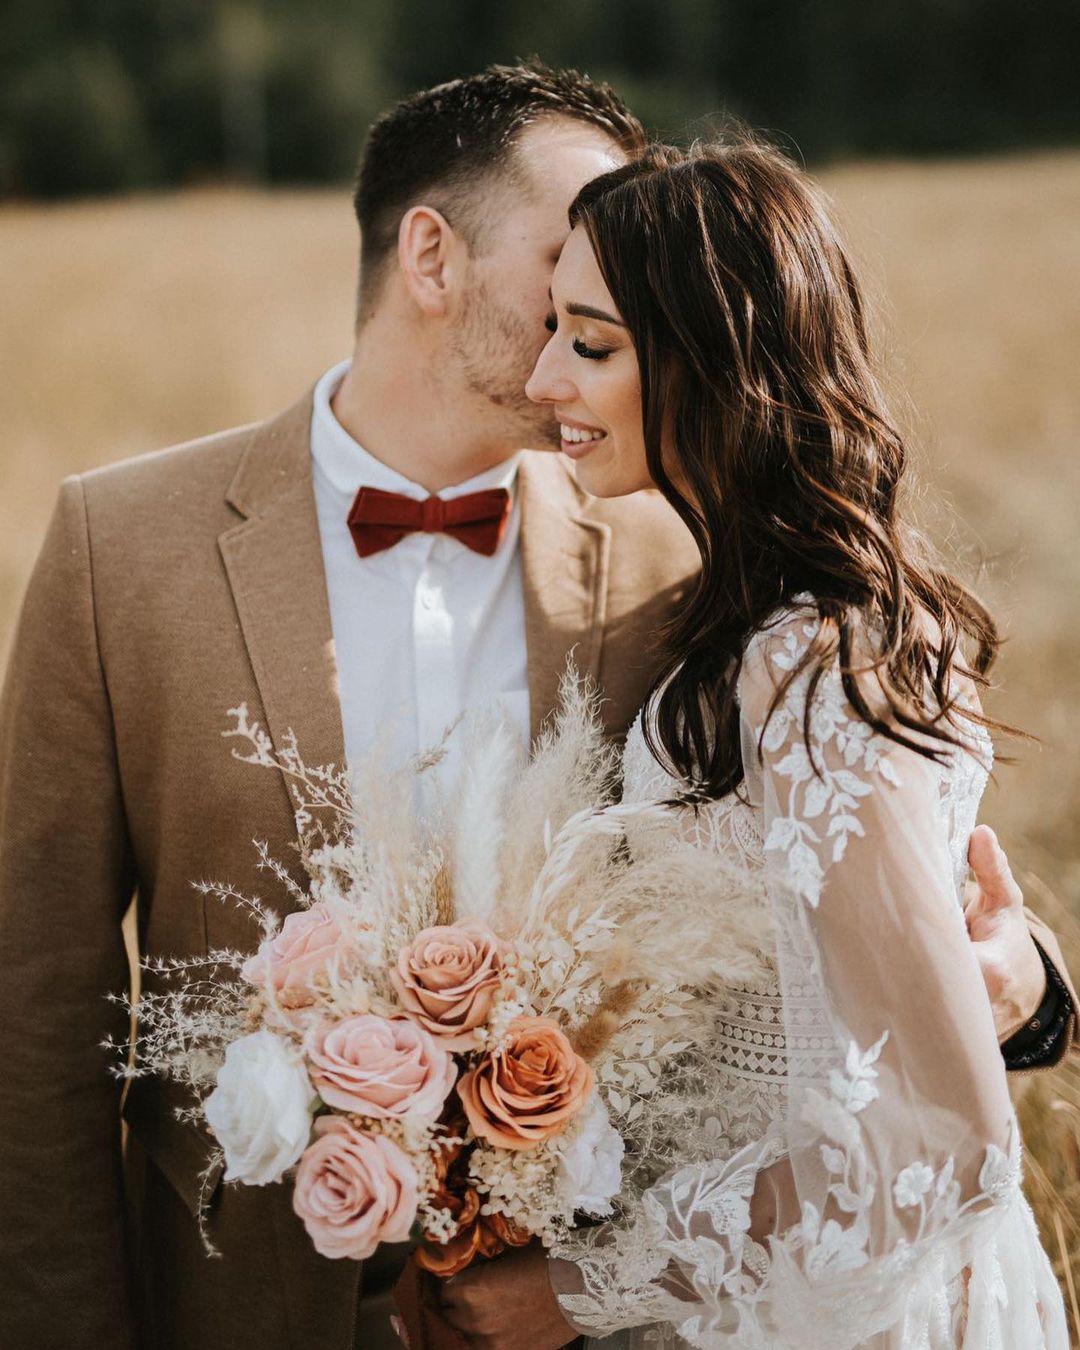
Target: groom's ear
(428,251)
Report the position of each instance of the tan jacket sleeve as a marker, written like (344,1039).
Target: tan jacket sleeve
(1070,1042)
(66,878)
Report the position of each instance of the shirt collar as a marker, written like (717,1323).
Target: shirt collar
(347,466)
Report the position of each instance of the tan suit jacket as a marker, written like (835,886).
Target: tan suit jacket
(169,589)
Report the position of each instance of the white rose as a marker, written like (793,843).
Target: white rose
(589,1172)
(260,1111)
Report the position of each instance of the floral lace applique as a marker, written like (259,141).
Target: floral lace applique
(823,799)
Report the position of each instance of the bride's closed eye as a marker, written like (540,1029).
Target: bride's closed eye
(551,323)
(590,353)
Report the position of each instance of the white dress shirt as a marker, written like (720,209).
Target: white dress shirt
(423,631)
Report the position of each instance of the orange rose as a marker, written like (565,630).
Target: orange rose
(507,1231)
(473,1239)
(454,1193)
(479,1237)
(530,1089)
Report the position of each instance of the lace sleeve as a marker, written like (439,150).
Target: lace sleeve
(870,1211)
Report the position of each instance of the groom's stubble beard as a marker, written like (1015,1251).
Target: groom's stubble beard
(496,349)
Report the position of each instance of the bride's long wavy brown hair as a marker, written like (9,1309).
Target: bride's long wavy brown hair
(766,430)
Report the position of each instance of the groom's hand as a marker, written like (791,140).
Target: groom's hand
(507,1304)
(1010,961)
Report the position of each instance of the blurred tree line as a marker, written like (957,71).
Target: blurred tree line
(101,95)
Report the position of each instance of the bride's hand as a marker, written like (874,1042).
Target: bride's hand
(1011,965)
(507,1304)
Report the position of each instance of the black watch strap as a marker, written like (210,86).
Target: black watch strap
(1037,1040)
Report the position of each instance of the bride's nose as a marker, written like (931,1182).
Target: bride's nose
(548,383)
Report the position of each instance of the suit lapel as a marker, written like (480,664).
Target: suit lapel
(274,562)
(564,560)
(273,559)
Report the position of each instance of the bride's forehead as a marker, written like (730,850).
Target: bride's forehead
(577,269)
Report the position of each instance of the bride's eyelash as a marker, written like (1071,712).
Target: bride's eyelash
(551,323)
(590,353)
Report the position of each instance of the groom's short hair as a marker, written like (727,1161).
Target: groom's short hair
(443,146)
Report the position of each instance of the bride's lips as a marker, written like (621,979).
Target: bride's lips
(577,439)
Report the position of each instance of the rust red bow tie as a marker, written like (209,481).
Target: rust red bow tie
(380,519)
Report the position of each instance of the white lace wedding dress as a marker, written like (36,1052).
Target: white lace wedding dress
(864,1184)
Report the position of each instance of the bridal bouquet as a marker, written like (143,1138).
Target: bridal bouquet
(472,1033)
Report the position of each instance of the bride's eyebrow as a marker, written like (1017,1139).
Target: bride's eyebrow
(589,312)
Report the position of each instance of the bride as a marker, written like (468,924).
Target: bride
(819,720)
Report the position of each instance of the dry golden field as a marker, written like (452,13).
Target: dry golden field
(134,323)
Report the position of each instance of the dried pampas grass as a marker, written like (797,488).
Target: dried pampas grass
(573,770)
(492,759)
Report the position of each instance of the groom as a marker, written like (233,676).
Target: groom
(300,566)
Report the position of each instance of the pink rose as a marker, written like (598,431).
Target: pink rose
(446,979)
(354,1190)
(305,947)
(379,1066)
